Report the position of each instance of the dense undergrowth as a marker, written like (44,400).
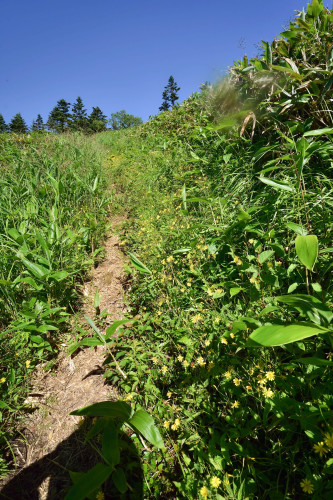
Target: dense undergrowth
(53,213)
(214,213)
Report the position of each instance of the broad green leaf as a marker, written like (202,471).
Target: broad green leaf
(267,254)
(317,7)
(268,309)
(307,250)
(114,409)
(276,335)
(277,184)
(144,423)
(292,287)
(316,287)
(235,291)
(297,228)
(37,270)
(111,329)
(314,308)
(110,444)
(4,405)
(315,361)
(94,327)
(89,342)
(320,131)
(119,480)
(89,482)
(5,283)
(138,264)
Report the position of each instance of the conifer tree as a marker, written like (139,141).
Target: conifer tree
(3,125)
(38,124)
(169,95)
(18,125)
(79,115)
(60,118)
(97,120)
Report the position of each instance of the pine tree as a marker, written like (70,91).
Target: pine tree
(3,125)
(97,120)
(38,124)
(79,115)
(18,125)
(169,95)
(60,118)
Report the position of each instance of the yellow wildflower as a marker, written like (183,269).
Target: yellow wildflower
(320,448)
(164,369)
(180,358)
(27,363)
(269,264)
(201,361)
(270,375)
(253,280)
(166,424)
(307,486)
(251,241)
(196,318)
(329,440)
(155,360)
(170,259)
(237,261)
(228,375)
(224,340)
(207,343)
(204,492)
(169,394)
(268,393)
(235,404)
(217,319)
(185,364)
(237,381)
(215,482)
(2,380)
(100,496)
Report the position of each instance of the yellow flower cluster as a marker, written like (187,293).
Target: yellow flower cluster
(237,261)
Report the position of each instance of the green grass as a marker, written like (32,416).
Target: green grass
(54,203)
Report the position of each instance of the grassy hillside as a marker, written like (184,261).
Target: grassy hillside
(229,235)
(229,202)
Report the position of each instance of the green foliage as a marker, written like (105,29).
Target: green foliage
(79,115)
(59,119)
(38,124)
(97,120)
(121,119)
(18,125)
(104,436)
(169,95)
(53,218)
(3,125)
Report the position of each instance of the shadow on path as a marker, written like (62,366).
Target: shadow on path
(48,478)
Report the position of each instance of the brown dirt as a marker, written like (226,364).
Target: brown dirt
(77,381)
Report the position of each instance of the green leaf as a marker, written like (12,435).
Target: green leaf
(314,361)
(235,291)
(292,287)
(277,184)
(89,482)
(114,409)
(267,254)
(119,480)
(320,131)
(276,335)
(4,405)
(110,444)
(144,423)
(307,250)
(317,7)
(138,264)
(297,228)
(314,308)
(243,216)
(37,270)
(316,287)
(111,329)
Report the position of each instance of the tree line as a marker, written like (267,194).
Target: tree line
(62,118)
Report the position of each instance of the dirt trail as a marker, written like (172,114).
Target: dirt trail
(77,381)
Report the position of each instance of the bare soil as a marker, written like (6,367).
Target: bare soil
(51,439)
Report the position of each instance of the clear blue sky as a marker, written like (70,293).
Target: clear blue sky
(120,54)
